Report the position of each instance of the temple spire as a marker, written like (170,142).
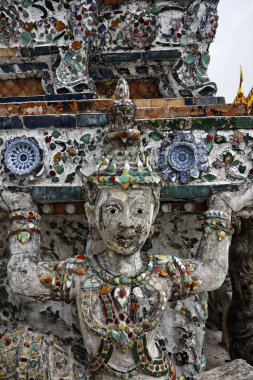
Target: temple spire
(240,97)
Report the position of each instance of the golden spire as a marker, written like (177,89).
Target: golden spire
(240,97)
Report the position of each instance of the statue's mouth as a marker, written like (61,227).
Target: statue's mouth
(126,240)
(126,237)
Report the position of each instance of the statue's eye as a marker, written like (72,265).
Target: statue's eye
(140,211)
(113,209)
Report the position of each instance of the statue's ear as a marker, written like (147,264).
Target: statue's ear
(90,213)
(156,209)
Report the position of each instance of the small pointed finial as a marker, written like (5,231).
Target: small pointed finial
(122,89)
(240,97)
(241,76)
(123,111)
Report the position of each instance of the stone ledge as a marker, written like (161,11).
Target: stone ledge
(100,119)
(145,109)
(236,370)
(194,191)
(153,55)
(54,193)
(85,98)
(197,123)
(75,193)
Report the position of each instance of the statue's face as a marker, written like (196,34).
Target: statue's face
(124,218)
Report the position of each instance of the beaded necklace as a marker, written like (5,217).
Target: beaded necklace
(107,277)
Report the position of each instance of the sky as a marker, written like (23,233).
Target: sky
(232,47)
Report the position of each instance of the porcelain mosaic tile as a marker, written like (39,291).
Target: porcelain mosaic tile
(152,33)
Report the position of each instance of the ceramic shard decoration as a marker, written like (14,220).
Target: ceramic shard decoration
(97,281)
(181,157)
(179,38)
(86,39)
(22,156)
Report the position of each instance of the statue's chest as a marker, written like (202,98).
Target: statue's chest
(132,304)
(122,312)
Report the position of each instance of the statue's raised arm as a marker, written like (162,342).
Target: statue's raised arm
(213,250)
(27,274)
(24,241)
(208,270)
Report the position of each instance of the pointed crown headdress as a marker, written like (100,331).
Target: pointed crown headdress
(123,162)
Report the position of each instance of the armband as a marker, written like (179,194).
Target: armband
(24,223)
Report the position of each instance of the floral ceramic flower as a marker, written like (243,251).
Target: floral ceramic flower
(23,156)
(182,155)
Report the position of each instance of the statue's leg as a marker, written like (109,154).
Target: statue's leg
(30,354)
(8,351)
(218,304)
(240,314)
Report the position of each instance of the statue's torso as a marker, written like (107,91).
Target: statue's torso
(120,315)
(119,320)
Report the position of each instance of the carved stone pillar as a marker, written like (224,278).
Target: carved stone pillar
(240,314)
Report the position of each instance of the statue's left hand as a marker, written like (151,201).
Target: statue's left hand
(240,199)
(15,200)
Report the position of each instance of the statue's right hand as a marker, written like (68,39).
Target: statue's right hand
(15,200)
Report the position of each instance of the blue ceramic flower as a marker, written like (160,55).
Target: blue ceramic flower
(22,156)
(181,155)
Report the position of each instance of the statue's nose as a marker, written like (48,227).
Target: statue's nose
(126,220)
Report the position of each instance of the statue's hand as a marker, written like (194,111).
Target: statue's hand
(236,201)
(15,200)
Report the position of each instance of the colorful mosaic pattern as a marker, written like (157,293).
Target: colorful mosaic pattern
(22,156)
(216,220)
(69,24)
(124,325)
(133,27)
(24,352)
(72,27)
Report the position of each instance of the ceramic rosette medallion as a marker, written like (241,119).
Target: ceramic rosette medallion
(22,157)
(182,156)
